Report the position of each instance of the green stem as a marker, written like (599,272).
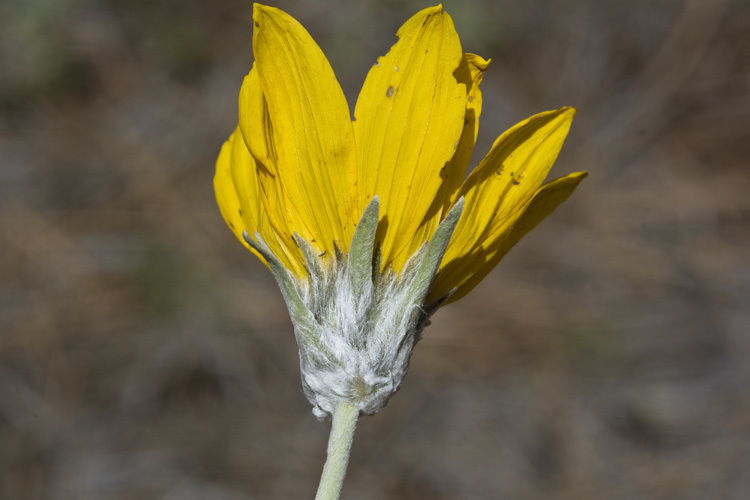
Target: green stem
(339,444)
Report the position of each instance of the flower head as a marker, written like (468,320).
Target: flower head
(368,224)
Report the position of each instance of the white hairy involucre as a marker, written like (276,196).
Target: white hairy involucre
(356,326)
(370,331)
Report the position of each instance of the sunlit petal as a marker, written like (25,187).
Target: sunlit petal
(508,176)
(408,120)
(258,134)
(465,271)
(312,133)
(470,73)
(226,194)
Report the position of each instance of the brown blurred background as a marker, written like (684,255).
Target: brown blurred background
(144,354)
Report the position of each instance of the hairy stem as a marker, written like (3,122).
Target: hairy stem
(339,444)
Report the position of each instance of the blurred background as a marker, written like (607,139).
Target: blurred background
(144,354)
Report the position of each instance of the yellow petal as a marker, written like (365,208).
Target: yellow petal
(498,190)
(245,183)
(408,119)
(508,176)
(255,121)
(257,148)
(470,73)
(466,271)
(226,195)
(312,133)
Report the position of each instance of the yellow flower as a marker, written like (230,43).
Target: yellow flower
(368,224)
(297,162)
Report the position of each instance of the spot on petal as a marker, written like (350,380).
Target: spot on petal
(389,92)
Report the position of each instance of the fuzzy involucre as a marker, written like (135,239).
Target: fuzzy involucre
(356,326)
